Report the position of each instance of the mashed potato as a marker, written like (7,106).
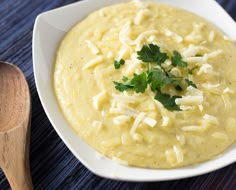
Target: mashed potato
(135,128)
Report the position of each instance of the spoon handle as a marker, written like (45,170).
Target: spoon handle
(14,157)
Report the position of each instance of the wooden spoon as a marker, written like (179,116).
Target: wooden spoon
(15,114)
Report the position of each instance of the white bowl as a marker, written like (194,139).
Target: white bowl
(49,29)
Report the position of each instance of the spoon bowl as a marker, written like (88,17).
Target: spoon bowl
(15,111)
(14,97)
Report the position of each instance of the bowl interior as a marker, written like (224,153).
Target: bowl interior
(49,29)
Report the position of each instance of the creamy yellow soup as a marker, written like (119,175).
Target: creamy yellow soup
(135,128)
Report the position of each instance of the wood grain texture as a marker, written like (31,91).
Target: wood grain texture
(14,127)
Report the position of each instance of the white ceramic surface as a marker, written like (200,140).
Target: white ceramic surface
(49,29)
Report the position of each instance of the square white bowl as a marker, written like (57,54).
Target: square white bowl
(49,29)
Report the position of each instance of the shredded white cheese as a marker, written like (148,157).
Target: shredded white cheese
(109,55)
(97,125)
(174,155)
(151,39)
(220,135)
(125,98)
(125,39)
(205,68)
(195,59)
(166,64)
(193,50)
(195,36)
(143,35)
(170,156)
(137,137)
(200,107)
(134,59)
(138,41)
(175,71)
(204,58)
(226,99)
(130,68)
(187,108)
(193,97)
(124,32)
(214,54)
(101,13)
(228,90)
(173,35)
(119,120)
(212,88)
(123,51)
(98,99)
(181,138)
(206,122)
(124,110)
(191,91)
(92,47)
(137,122)
(126,107)
(140,16)
(179,154)
(93,62)
(165,121)
(133,65)
(149,121)
(211,36)
(192,128)
(189,100)
(211,119)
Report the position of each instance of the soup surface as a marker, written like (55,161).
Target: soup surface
(148,85)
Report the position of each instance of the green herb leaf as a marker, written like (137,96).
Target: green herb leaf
(151,53)
(174,80)
(190,71)
(168,101)
(190,83)
(125,79)
(156,79)
(117,64)
(122,87)
(139,82)
(179,88)
(177,60)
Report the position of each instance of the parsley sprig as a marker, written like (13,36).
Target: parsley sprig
(151,54)
(156,76)
(117,64)
(139,83)
(167,101)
